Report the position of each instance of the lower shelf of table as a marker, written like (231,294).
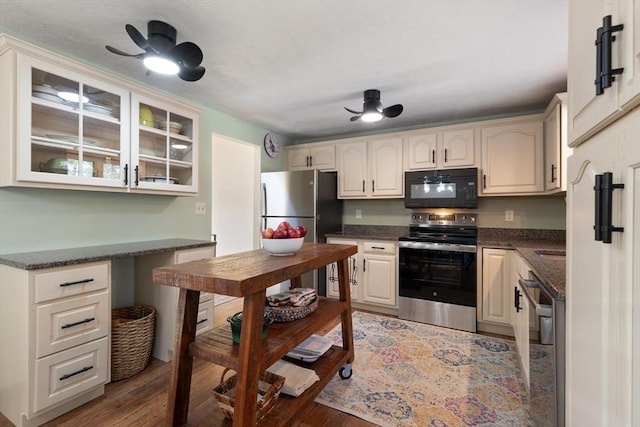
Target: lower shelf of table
(326,368)
(217,345)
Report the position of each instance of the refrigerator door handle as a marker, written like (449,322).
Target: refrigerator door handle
(264,199)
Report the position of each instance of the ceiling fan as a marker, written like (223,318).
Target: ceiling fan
(162,54)
(372,110)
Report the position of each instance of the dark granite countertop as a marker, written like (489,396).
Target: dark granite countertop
(550,270)
(60,257)
(375,232)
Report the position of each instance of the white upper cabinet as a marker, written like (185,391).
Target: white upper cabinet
(447,149)
(590,111)
(163,146)
(555,150)
(69,126)
(370,169)
(512,157)
(321,157)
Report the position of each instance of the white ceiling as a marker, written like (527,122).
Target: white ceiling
(291,66)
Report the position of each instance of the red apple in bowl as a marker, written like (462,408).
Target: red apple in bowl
(280,234)
(294,233)
(267,233)
(284,225)
(302,230)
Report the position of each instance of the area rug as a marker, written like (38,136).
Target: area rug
(412,374)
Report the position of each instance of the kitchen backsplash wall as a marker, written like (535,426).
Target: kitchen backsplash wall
(540,212)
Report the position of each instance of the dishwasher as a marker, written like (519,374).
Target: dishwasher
(551,313)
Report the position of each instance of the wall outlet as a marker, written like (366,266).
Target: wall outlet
(358,213)
(508,215)
(201,208)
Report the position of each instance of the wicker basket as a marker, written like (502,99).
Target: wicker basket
(269,386)
(289,313)
(131,340)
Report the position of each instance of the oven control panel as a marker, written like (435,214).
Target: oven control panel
(427,218)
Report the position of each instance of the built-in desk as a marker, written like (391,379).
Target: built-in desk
(55,320)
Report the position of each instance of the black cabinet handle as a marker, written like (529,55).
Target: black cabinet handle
(201,321)
(516,299)
(136,180)
(364,265)
(603,188)
(484,181)
(363,190)
(307,161)
(445,155)
(354,273)
(553,173)
(126,174)
(377,247)
(605,75)
(433,156)
(77,282)
(71,325)
(373,185)
(67,376)
(310,161)
(332,273)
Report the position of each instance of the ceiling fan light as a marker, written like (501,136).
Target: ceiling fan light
(371,116)
(160,64)
(72,97)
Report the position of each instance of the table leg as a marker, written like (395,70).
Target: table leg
(180,385)
(296,282)
(345,295)
(250,357)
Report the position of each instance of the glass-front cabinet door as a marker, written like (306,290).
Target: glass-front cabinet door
(73,130)
(164,146)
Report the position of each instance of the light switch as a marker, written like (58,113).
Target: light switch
(508,215)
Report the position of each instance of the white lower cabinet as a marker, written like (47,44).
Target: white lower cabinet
(54,339)
(521,312)
(496,290)
(165,298)
(372,273)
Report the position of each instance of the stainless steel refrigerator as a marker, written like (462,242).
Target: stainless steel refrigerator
(308,198)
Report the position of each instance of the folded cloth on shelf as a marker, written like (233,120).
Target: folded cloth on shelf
(298,297)
(297,378)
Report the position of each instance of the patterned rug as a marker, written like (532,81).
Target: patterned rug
(412,374)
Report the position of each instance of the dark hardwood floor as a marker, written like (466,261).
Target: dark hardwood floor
(142,399)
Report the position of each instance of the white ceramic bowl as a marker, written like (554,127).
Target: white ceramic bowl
(282,247)
(174,127)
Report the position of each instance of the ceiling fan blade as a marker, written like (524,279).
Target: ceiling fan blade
(136,36)
(188,53)
(393,111)
(191,74)
(353,112)
(119,52)
(354,118)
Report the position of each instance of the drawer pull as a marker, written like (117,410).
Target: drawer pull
(201,321)
(67,376)
(377,247)
(71,325)
(79,282)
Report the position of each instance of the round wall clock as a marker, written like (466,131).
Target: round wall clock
(271,145)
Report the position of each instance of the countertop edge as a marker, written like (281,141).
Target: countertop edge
(81,255)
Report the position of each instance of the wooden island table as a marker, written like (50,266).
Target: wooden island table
(248,275)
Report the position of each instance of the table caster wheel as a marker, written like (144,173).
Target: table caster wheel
(345,372)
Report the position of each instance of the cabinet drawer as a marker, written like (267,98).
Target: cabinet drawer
(205,317)
(380,247)
(69,373)
(64,324)
(205,296)
(68,281)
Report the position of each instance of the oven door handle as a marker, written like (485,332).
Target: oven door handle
(447,247)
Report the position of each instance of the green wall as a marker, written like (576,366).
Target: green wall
(541,212)
(33,219)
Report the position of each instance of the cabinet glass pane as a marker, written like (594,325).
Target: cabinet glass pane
(101,103)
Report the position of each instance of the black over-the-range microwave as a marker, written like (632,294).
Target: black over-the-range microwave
(442,188)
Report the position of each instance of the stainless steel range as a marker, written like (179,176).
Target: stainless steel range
(437,270)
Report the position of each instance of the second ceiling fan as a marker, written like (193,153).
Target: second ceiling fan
(372,110)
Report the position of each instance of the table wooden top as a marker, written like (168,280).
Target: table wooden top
(244,273)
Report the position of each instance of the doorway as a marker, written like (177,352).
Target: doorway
(235,197)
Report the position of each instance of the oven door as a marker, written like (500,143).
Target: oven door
(438,272)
